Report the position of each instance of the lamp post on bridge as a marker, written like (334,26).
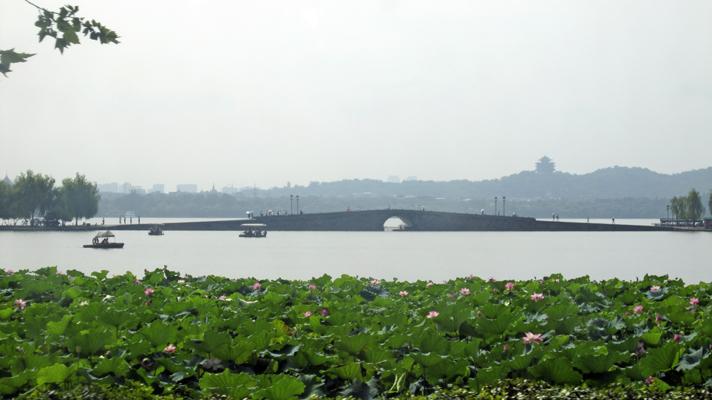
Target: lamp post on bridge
(297,204)
(291,204)
(495,205)
(504,206)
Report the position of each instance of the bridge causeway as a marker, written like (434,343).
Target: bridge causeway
(373,220)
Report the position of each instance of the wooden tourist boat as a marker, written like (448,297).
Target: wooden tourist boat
(253,230)
(156,231)
(101,241)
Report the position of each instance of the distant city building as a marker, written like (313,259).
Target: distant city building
(187,188)
(230,189)
(393,179)
(137,189)
(411,179)
(125,188)
(112,187)
(158,188)
(7,180)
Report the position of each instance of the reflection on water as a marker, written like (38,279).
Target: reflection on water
(403,255)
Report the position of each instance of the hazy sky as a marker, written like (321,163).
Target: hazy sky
(265,92)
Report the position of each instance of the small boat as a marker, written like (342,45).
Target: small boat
(253,230)
(101,241)
(155,231)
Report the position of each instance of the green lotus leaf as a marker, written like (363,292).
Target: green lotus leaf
(692,359)
(58,327)
(558,370)
(160,334)
(116,365)
(349,372)
(660,359)
(354,344)
(56,373)
(12,384)
(6,313)
(491,375)
(652,337)
(72,293)
(91,341)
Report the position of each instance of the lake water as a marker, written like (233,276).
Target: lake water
(405,255)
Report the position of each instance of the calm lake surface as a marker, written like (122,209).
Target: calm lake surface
(403,255)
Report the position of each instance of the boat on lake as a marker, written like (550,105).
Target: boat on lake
(102,241)
(156,231)
(253,230)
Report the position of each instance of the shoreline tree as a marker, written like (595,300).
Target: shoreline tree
(688,207)
(695,209)
(64,26)
(33,195)
(79,197)
(6,201)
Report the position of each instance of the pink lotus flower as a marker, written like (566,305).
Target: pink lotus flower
(148,292)
(537,297)
(20,304)
(658,318)
(324,312)
(307,314)
(509,286)
(676,338)
(465,291)
(530,338)
(375,282)
(137,281)
(432,314)
(403,293)
(429,284)
(638,309)
(170,349)
(649,380)
(311,286)
(256,286)
(694,301)
(654,289)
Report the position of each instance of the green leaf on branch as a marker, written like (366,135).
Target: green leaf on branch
(8,57)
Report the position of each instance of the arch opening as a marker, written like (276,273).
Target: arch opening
(395,224)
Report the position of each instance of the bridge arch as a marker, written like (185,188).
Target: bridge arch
(396,222)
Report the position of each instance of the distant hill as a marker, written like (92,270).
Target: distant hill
(622,192)
(608,183)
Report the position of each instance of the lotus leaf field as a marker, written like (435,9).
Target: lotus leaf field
(202,337)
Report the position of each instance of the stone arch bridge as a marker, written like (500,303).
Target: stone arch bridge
(415,220)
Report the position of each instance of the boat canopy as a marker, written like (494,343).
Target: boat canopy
(106,234)
(253,226)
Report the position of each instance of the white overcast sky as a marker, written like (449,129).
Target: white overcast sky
(265,92)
